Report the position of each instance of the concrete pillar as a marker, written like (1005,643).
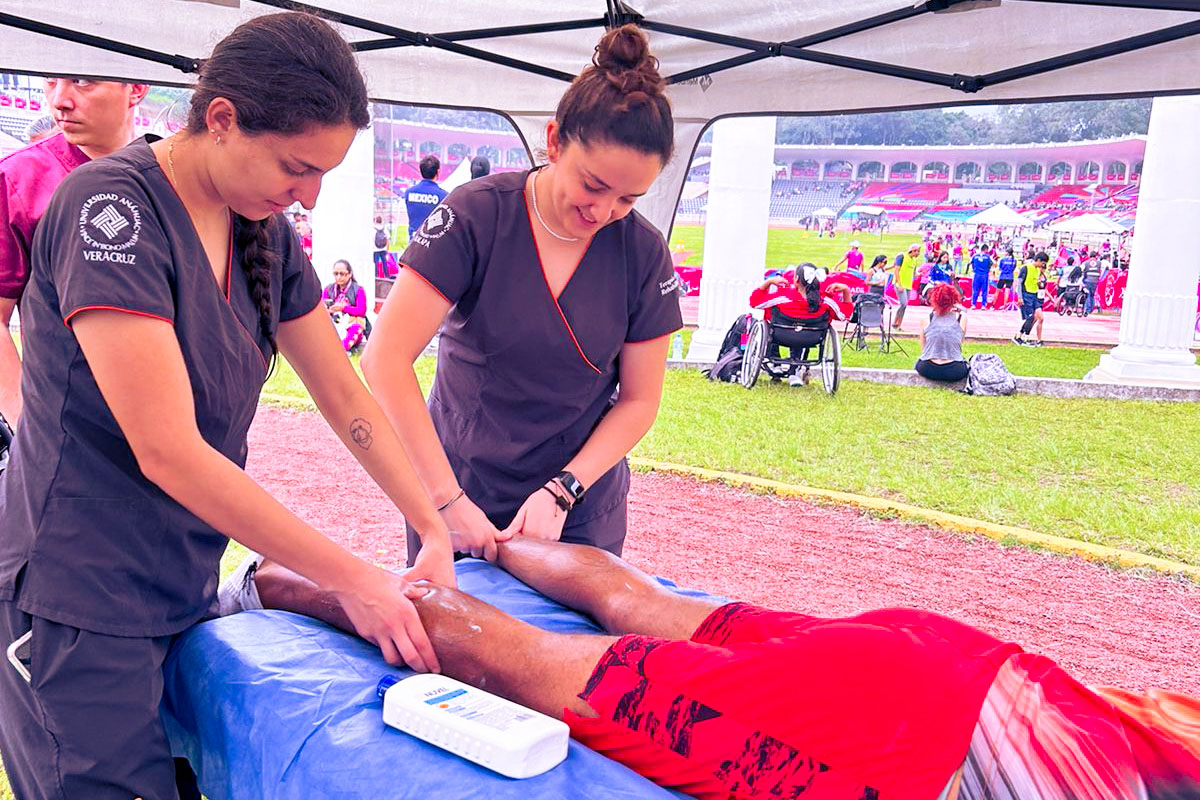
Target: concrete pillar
(343,220)
(735,236)
(1159,313)
(820,170)
(1128,170)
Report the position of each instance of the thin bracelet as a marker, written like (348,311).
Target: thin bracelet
(450,502)
(559,500)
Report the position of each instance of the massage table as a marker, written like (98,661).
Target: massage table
(271,705)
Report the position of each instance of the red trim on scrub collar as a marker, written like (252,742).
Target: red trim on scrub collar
(550,292)
(229,261)
(69,317)
(427,283)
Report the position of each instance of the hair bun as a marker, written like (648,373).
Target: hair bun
(623,54)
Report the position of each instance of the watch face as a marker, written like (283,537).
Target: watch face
(571,484)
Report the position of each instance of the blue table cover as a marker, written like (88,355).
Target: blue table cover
(268,704)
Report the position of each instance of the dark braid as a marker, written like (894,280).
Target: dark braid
(253,239)
(285,74)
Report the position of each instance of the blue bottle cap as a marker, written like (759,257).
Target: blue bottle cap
(385,683)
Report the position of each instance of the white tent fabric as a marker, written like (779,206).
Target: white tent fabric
(824,211)
(1001,215)
(1087,223)
(800,58)
(870,211)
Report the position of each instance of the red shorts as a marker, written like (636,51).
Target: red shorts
(767,703)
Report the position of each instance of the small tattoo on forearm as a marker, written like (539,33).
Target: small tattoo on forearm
(360,433)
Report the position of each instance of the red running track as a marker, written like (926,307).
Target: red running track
(1124,629)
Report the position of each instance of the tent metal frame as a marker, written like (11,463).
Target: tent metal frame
(619,13)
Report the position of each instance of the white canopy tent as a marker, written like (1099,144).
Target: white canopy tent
(999,215)
(824,211)
(1095,224)
(868,211)
(762,57)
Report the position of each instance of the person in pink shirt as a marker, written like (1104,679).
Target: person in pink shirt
(853,258)
(95,119)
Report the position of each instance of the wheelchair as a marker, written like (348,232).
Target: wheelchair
(1072,300)
(810,343)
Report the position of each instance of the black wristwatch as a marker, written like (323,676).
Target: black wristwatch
(571,486)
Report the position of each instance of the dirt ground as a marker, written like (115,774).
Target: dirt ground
(1107,627)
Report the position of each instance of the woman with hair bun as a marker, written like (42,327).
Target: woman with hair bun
(942,337)
(550,291)
(164,283)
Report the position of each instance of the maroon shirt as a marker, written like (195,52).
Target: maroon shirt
(28,179)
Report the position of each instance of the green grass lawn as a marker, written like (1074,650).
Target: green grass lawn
(794,246)
(1120,473)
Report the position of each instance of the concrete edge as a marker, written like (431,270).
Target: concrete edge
(951,522)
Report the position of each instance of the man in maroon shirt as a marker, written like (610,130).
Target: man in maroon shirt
(95,118)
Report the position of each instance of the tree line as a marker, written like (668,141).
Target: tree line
(1011,124)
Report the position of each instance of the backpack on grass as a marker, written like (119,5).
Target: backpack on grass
(988,376)
(729,360)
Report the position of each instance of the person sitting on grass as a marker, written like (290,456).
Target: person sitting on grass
(942,336)
(725,699)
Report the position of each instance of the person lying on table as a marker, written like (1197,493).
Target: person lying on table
(726,699)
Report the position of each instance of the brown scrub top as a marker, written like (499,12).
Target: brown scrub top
(522,378)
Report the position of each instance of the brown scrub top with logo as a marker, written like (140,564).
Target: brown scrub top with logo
(523,379)
(85,539)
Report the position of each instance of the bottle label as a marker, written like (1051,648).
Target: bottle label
(479,708)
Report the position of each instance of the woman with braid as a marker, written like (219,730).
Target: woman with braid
(165,284)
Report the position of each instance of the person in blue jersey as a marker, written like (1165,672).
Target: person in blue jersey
(1007,267)
(981,270)
(423,197)
(164,282)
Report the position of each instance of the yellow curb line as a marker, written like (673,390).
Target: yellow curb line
(953,522)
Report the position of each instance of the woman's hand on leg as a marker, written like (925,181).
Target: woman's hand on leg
(380,606)
(539,516)
(470,529)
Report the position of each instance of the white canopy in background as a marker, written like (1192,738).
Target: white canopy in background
(762,56)
(1000,215)
(870,211)
(824,211)
(1087,223)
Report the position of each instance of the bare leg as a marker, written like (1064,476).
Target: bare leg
(474,642)
(620,597)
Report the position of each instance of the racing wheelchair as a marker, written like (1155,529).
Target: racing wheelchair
(810,343)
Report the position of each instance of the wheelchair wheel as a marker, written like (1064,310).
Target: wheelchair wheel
(1061,305)
(756,349)
(831,361)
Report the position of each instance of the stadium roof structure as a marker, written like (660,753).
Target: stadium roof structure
(762,57)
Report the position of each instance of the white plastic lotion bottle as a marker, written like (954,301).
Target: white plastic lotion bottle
(493,732)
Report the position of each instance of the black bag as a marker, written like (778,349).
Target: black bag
(728,367)
(729,359)
(381,239)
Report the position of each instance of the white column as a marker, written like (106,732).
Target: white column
(343,221)
(1159,314)
(735,236)
(820,170)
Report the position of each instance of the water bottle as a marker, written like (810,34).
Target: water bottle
(677,347)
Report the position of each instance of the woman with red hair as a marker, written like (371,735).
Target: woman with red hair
(942,337)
